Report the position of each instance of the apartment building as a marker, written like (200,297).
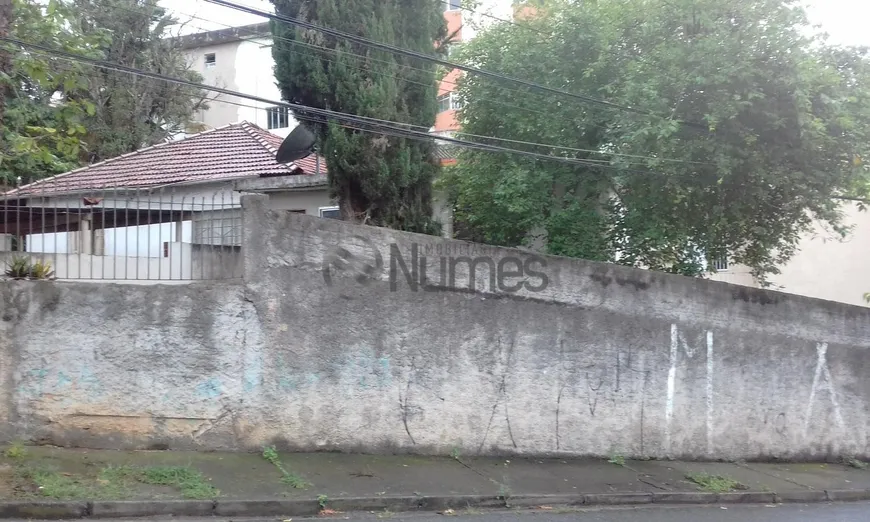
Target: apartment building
(825,266)
(462,25)
(239,59)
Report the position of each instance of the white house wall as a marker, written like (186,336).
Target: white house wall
(828,267)
(223,74)
(255,74)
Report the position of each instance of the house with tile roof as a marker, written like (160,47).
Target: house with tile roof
(170,209)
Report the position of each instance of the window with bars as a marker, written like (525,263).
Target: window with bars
(277,117)
(721,264)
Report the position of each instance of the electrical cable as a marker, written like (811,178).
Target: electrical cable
(423,56)
(376,126)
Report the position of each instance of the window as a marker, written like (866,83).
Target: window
(330,212)
(210,60)
(452,5)
(444,102)
(721,264)
(449,102)
(277,117)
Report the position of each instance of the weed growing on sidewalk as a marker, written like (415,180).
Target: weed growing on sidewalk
(617,459)
(322,500)
(291,479)
(714,483)
(504,494)
(853,462)
(16,451)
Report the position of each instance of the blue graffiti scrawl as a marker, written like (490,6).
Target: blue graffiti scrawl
(41,381)
(210,389)
(373,373)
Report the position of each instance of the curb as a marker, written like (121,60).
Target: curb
(310,507)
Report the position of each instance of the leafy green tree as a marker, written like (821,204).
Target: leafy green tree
(379,179)
(42,129)
(744,130)
(132,112)
(60,114)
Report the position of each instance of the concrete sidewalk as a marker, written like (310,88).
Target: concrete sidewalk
(111,483)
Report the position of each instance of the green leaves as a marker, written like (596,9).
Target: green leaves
(755,127)
(381,180)
(52,114)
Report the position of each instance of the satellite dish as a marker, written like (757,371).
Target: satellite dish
(297,145)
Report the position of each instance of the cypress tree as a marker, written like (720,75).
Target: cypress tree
(377,179)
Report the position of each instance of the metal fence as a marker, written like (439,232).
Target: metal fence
(155,235)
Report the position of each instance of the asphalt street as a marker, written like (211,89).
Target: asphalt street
(858,512)
(851,512)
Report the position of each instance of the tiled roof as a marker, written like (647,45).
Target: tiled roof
(446,152)
(235,151)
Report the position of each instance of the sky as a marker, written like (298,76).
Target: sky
(844,20)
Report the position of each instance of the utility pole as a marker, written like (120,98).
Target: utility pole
(5,57)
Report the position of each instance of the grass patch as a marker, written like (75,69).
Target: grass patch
(714,483)
(191,483)
(110,483)
(16,451)
(56,485)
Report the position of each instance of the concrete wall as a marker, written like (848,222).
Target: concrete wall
(183,262)
(599,359)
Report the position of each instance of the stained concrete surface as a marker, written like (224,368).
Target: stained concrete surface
(312,353)
(248,476)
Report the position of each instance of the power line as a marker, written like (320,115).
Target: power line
(424,128)
(379,126)
(528,27)
(363,57)
(484,137)
(504,140)
(407,52)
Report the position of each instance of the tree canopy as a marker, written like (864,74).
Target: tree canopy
(60,114)
(42,131)
(379,179)
(733,128)
(132,112)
